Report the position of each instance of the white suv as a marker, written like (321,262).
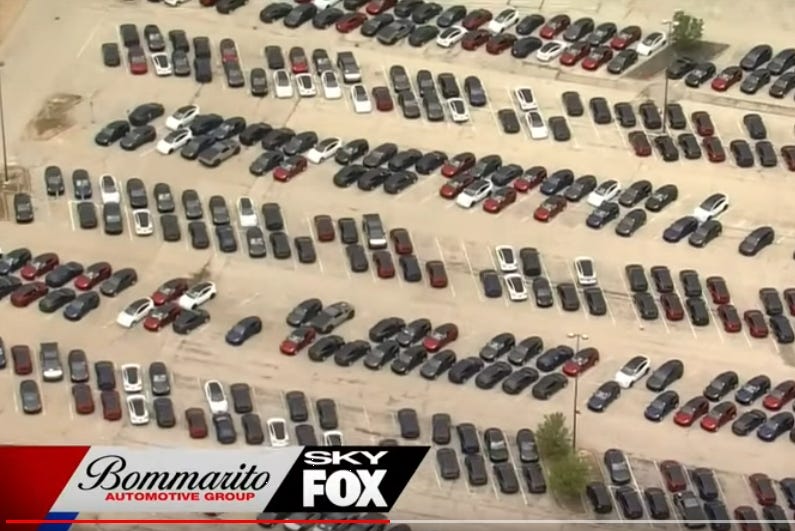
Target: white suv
(632,371)
(586,271)
(216,397)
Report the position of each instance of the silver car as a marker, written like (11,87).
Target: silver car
(219,152)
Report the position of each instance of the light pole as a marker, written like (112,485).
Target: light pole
(3,126)
(577,337)
(670,25)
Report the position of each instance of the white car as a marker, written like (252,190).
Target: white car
(506,258)
(550,51)
(174,3)
(586,271)
(517,288)
(711,207)
(632,371)
(537,126)
(324,150)
(182,117)
(134,312)
(216,397)
(474,193)
(142,220)
(306,85)
(451,36)
(137,410)
(277,431)
(331,85)
(131,378)
(332,438)
(651,43)
(525,99)
(162,64)
(174,141)
(246,213)
(109,189)
(503,21)
(606,191)
(325,4)
(458,110)
(282,85)
(361,99)
(197,295)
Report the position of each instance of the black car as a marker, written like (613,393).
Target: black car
(438,364)
(63,274)
(705,483)
(623,61)
(189,320)
(14,260)
(680,229)
(493,374)
(386,328)
(451,16)
(376,24)
(617,467)
(137,137)
(690,510)
(783,85)
(275,11)
(700,74)
(548,385)
(766,154)
(666,148)
(605,394)
(756,57)
(757,240)
(629,501)
(705,233)
(351,151)
(771,300)
(56,299)
(662,197)
(697,310)
(557,182)
(119,281)
(81,306)
(136,193)
(430,162)
(680,67)
(54,181)
(631,222)
(599,496)
(382,354)
(603,214)
(721,385)
(245,329)
(422,35)
(755,126)
(196,146)
(782,329)
(409,359)
(143,114)
(464,369)
(580,188)
(755,81)
(349,175)
(689,145)
(498,346)
(753,389)
(351,352)
(553,358)
(327,17)
(748,421)
(675,116)
(300,14)
(718,515)
(8,285)
(657,502)
(664,375)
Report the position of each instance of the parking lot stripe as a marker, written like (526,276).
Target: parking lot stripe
(518,471)
(369,424)
(14,394)
(472,271)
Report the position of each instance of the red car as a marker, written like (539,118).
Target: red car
(350,22)
(555,26)
(499,43)
(27,293)
(703,123)
(718,290)
(169,291)
(640,143)
(755,321)
(730,318)
(111,405)
(581,362)
(694,409)
(475,39)
(718,416)
(22,360)
(137,61)
(673,474)
(440,337)
(197,422)
(376,7)
(458,164)
(384,265)
(299,64)
(454,186)
(84,399)
(672,306)
(551,207)
(598,57)
(401,241)
(476,19)
(531,178)
(749,518)
(727,78)
(763,489)
(40,265)
(788,154)
(714,148)
(625,38)
(789,298)
(298,339)
(93,275)
(574,53)
(437,275)
(383,99)
(162,316)
(290,168)
(780,395)
(499,200)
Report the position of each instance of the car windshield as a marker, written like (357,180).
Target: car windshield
(630,369)
(516,284)
(751,388)
(603,395)
(586,267)
(131,374)
(690,502)
(296,336)
(161,313)
(216,393)
(113,218)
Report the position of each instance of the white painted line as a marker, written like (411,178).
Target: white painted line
(368,423)
(69,401)
(609,310)
(714,320)
(625,281)
(436,475)
(15,393)
(472,272)
(72,205)
(88,40)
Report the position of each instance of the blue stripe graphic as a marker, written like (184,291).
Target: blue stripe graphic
(58,516)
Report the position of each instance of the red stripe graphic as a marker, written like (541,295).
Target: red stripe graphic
(33,478)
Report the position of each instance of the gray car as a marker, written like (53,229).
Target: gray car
(30,397)
(395,32)
(53,181)
(333,316)
(112,218)
(219,152)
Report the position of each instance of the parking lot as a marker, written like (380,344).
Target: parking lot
(463,240)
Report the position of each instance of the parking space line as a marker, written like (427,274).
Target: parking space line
(472,271)
(715,321)
(369,424)
(72,206)
(16,399)
(609,310)
(518,473)
(580,291)
(129,222)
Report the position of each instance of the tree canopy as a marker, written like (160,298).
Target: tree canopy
(687,31)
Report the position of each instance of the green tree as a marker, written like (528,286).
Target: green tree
(568,476)
(553,437)
(687,31)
